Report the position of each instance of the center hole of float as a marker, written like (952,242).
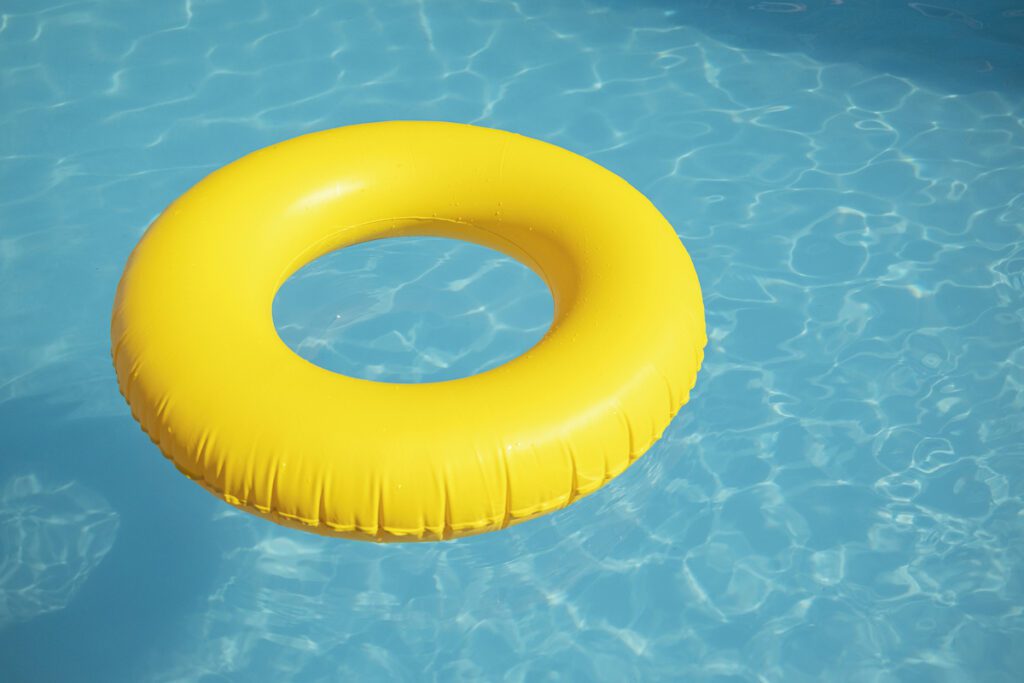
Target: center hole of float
(412,310)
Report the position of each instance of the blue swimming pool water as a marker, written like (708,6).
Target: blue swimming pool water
(842,499)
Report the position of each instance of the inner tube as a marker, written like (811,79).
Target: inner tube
(206,375)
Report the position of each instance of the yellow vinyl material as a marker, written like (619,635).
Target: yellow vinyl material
(201,365)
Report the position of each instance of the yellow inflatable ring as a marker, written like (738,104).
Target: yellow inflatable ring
(201,365)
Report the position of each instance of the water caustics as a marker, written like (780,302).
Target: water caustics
(51,538)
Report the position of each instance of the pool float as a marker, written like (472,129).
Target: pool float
(206,375)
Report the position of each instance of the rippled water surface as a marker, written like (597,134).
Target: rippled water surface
(841,500)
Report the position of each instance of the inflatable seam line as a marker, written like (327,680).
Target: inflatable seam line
(382,531)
